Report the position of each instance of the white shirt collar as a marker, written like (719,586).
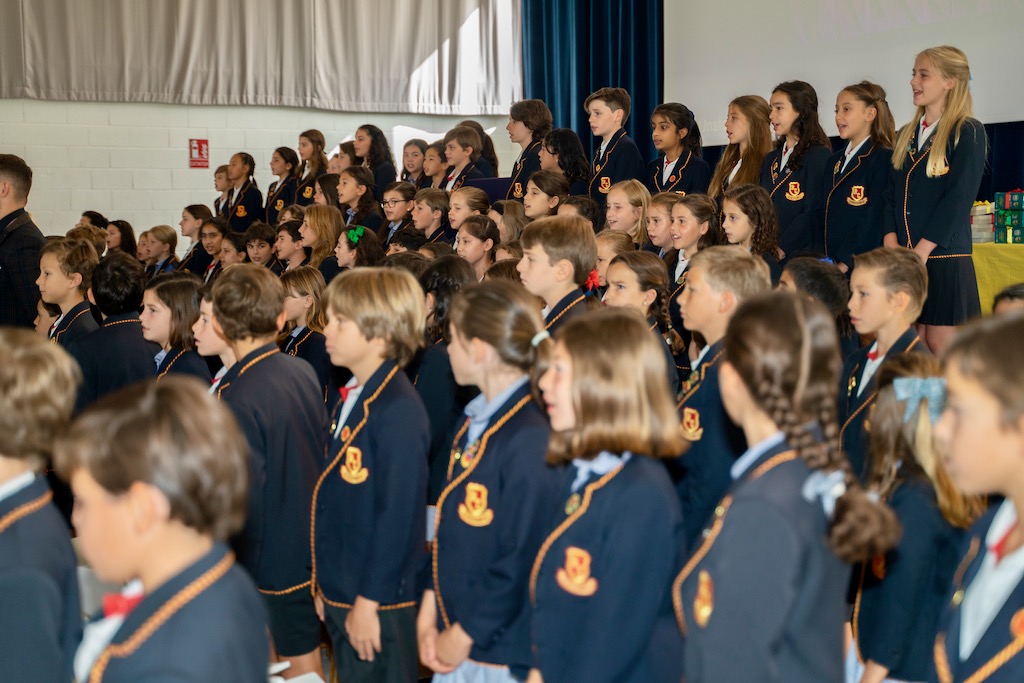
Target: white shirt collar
(924,133)
(745,461)
(600,465)
(13,486)
(851,152)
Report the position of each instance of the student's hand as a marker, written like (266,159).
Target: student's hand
(363,628)
(874,673)
(843,268)
(534,676)
(426,631)
(924,249)
(889,240)
(453,647)
(318,603)
(780,254)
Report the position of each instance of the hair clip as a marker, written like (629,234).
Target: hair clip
(539,337)
(913,390)
(828,488)
(355,234)
(593,281)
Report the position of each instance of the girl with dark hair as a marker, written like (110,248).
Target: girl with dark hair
(746,127)
(196,259)
(314,164)
(771,569)
(435,167)
(562,152)
(487,164)
(121,235)
(372,146)
(528,122)
(358,247)
(825,283)
(356,198)
(245,201)
(544,192)
(794,172)
(284,163)
(170,307)
(680,167)
(750,221)
(412,161)
(325,190)
(856,176)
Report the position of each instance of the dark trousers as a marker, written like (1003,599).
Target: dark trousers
(397,662)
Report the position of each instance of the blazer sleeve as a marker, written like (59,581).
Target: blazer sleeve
(399,496)
(621,627)
(436,386)
(807,224)
(383,176)
(23,271)
(966,166)
(520,516)
(700,177)
(750,603)
(30,628)
(248,542)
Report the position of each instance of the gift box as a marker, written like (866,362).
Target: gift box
(1009,219)
(987,220)
(982,209)
(1009,236)
(1012,200)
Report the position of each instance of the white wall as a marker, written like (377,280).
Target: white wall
(131,161)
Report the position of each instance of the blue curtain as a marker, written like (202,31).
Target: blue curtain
(573,47)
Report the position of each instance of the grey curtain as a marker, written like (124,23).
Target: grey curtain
(418,56)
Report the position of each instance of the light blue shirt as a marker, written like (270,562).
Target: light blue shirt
(745,461)
(480,410)
(603,463)
(159,358)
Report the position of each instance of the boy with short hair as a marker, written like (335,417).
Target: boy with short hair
(288,245)
(95,236)
(719,280)
(65,275)
(618,157)
(374,482)
(259,244)
(116,354)
(430,215)
(559,257)
(406,239)
(277,401)
(159,475)
(40,615)
(888,287)
(223,185)
(462,147)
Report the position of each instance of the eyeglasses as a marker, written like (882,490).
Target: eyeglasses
(391,203)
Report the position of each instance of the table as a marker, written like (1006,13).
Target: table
(997,266)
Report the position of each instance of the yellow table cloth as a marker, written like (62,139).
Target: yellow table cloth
(997,266)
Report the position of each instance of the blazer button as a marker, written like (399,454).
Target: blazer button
(705,533)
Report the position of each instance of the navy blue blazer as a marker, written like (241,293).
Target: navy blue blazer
(444,401)
(329,268)
(280,194)
(385,233)
(999,650)
(854,409)
(670,361)
(75,325)
(854,208)
(689,175)
(280,408)
(445,234)
(682,361)
(900,595)
(594,617)
(527,164)
(105,370)
(196,260)
(569,306)
(245,206)
(207,622)
(763,596)
(311,347)
(937,209)
(180,362)
(702,472)
(20,243)
(40,615)
(621,161)
(470,172)
(305,188)
(384,174)
(485,167)
(798,195)
(369,505)
(492,516)
(275,265)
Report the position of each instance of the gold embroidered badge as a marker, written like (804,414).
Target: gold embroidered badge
(346,432)
(307,193)
(671,178)
(836,169)
(704,600)
(278,205)
(857,197)
(353,471)
(692,431)
(240,211)
(606,184)
(575,576)
(573,504)
(794,194)
(518,192)
(474,511)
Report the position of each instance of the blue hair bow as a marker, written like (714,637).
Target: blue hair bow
(913,390)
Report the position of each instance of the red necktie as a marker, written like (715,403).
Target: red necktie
(117,604)
(873,355)
(999,549)
(345,391)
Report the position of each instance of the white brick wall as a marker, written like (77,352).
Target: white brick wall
(130,161)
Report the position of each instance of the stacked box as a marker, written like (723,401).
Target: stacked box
(983,222)
(1010,201)
(1009,219)
(1009,236)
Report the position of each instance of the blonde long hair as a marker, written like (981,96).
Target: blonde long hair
(639,197)
(950,62)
